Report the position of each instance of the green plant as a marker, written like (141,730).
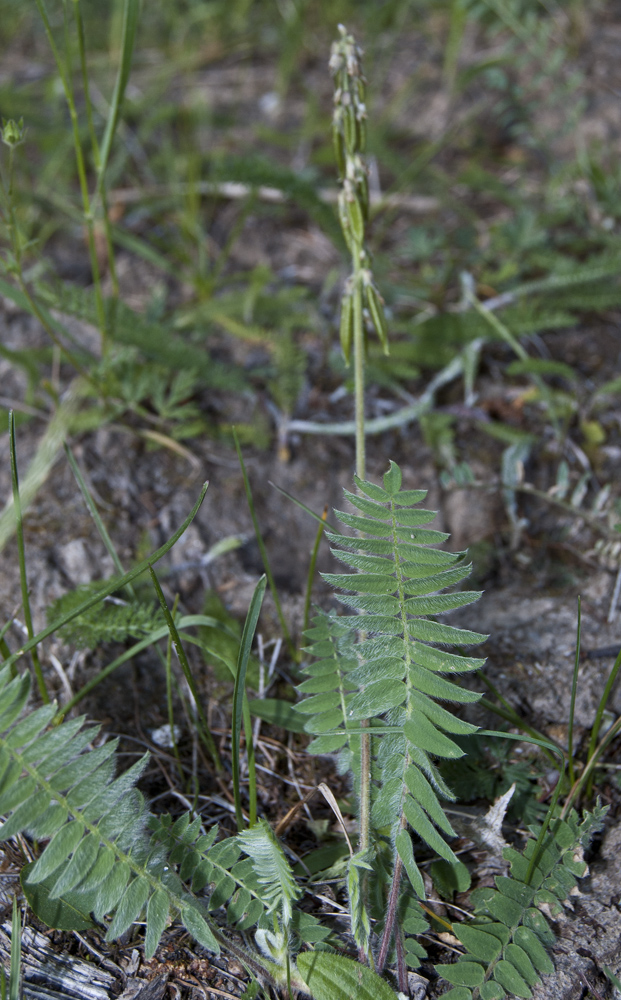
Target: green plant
(371,695)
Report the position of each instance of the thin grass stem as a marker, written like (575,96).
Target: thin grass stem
(21,553)
(599,715)
(202,724)
(240,709)
(311,568)
(264,557)
(572,702)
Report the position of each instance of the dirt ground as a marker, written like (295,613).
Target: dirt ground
(531,580)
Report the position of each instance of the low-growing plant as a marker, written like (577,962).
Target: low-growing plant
(378,692)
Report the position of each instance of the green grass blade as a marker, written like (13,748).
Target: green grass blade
(203,728)
(131,9)
(311,568)
(110,588)
(16,953)
(572,704)
(263,551)
(101,528)
(321,519)
(19,528)
(239,708)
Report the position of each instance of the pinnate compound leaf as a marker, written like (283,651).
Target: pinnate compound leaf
(507,975)
(57,851)
(531,944)
(129,907)
(458,993)
(486,947)
(392,479)
(491,991)
(469,974)
(70,912)
(518,958)
(199,928)
(333,977)
(111,890)
(403,843)
(157,918)
(83,859)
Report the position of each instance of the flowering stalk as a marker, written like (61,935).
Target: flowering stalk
(362,307)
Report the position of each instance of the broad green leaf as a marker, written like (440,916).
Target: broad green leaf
(392,479)
(375,699)
(462,973)
(458,993)
(506,910)
(403,843)
(54,740)
(518,958)
(389,667)
(100,870)
(509,977)
(415,518)
(422,733)
(405,498)
(438,687)
(333,977)
(69,913)
(363,583)
(14,698)
(437,581)
(17,789)
(111,889)
(373,491)
(491,991)
(449,879)
(129,907)
(369,507)
(535,920)
(26,731)
(522,894)
(485,946)
(424,829)
(83,859)
(57,851)
(439,603)
(26,814)
(157,918)
(222,893)
(324,722)
(444,719)
(425,795)
(318,703)
(367,524)
(531,944)
(371,603)
(48,822)
(443,662)
(420,628)
(71,774)
(199,928)
(237,906)
(327,744)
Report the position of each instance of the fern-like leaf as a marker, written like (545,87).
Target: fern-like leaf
(271,869)
(506,943)
(386,663)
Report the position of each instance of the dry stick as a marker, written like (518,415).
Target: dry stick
(234,191)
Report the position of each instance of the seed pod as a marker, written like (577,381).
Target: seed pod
(339,148)
(362,188)
(349,128)
(376,308)
(356,218)
(346,331)
(344,220)
(361,132)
